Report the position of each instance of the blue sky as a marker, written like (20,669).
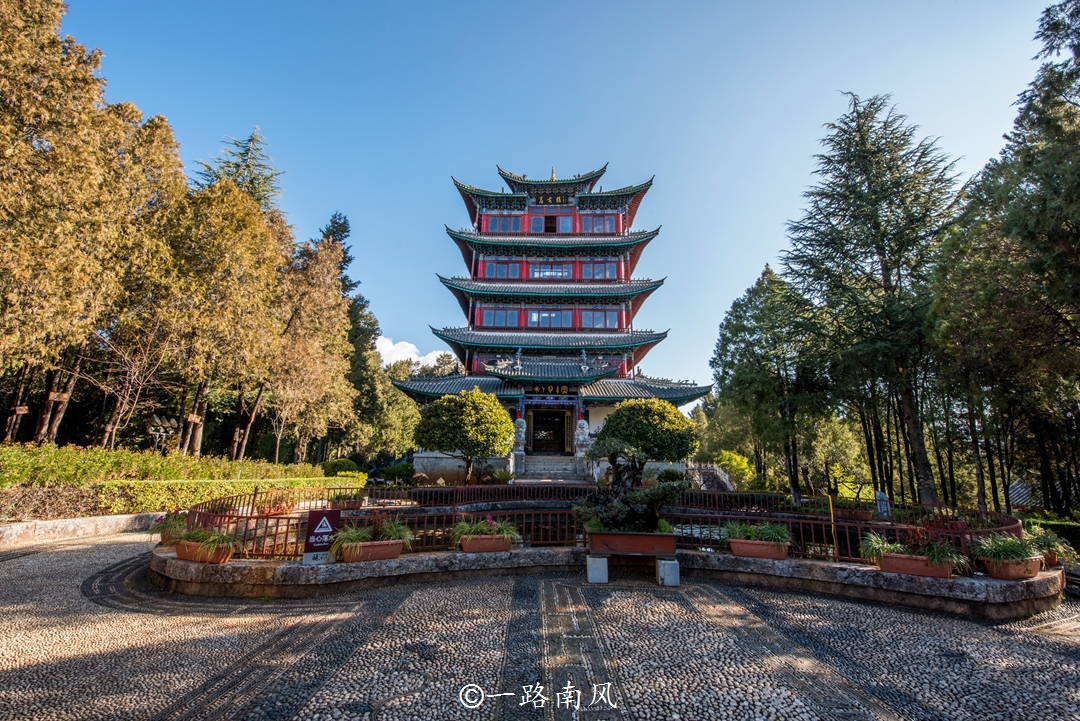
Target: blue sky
(371,107)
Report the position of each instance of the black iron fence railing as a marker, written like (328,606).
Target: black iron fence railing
(271,524)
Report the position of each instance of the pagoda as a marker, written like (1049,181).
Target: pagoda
(549,302)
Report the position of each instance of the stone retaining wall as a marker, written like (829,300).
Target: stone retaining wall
(19,534)
(977,596)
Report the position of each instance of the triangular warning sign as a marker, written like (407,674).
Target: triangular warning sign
(324,526)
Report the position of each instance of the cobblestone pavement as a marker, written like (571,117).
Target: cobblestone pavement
(82,636)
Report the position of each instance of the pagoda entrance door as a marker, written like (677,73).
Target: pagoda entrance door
(548,431)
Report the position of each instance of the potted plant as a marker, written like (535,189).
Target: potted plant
(1007,557)
(849,509)
(485,536)
(348,500)
(933,558)
(622,517)
(205,546)
(1054,549)
(503,476)
(382,539)
(765,540)
(170,526)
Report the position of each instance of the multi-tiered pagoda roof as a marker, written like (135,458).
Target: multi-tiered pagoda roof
(549,297)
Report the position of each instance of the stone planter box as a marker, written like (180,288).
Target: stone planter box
(484,544)
(758,549)
(371,551)
(1014,570)
(607,543)
(192,551)
(913,566)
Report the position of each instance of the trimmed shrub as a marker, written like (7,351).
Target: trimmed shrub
(669,474)
(33,465)
(112,497)
(336,466)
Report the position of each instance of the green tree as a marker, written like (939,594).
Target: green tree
(469,425)
(864,249)
(765,366)
(246,163)
(639,431)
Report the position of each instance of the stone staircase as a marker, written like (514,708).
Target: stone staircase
(551,468)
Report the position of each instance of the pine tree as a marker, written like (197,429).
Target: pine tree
(864,249)
(246,163)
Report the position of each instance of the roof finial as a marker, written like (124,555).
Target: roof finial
(553,172)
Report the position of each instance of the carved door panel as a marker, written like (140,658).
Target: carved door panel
(548,431)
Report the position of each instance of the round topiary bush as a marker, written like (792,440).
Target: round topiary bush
(336,466)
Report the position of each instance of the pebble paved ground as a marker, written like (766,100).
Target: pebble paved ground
(82,636)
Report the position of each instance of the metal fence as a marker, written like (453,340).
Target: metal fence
(273,523)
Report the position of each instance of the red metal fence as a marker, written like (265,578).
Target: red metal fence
(272,523)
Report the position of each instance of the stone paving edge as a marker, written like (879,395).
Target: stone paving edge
(977,596)
(24,533)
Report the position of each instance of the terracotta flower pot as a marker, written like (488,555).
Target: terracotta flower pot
(1051,558)
(913,565)
(758,549)
(371,551)
(1013,570)
(606,543)
(484,544)
(193,551)
(168,537)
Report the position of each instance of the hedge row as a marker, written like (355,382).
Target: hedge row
(36,503)
(1066,529)
(46,465)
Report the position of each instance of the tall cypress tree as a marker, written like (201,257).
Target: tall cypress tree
(864,249)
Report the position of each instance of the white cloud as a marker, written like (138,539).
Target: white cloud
(392,352)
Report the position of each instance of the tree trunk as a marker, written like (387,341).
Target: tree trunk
(189,426)
(108,434)
(992,473)
(1005,480)
(980,482)
(238,422)
(869,447)
(23,382)
(61,407)
(197,436)
(250,421)
(919,460)
(277,447)
(1046,474)
(52,383)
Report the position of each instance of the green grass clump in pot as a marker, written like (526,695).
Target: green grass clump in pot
(487,527)
(1046,541)
(874,545)
(1001,548)
(380,529)
(776,533)
(210,541)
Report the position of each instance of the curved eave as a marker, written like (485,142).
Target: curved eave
(641,351)
(539,378)
(469,194)
(629,196)
(676,398)
(519,183)
(561,341)
(470,243)
(430,388)
(525,288)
